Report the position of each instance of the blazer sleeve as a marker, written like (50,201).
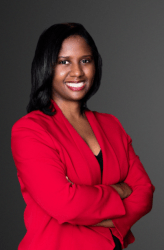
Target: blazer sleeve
(43,174)
(140,201)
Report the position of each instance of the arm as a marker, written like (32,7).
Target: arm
(139,202)
(44,176)
(124,191)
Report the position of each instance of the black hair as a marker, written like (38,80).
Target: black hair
(44,60)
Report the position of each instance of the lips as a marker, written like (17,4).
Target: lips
(75,81)
(75,85)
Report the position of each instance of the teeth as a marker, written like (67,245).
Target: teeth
(79,84)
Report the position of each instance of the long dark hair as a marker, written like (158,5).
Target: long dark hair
(45,58)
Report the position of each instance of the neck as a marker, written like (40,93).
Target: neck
(71,110)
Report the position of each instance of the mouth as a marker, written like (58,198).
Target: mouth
(75,85)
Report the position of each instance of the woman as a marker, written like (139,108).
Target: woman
(83,185)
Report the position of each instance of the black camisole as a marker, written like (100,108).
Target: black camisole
(100,161)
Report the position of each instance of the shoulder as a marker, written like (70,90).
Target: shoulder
(111,123)
(109,119)
(31,128)
(33,120)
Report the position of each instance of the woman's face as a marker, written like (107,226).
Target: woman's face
(74,71)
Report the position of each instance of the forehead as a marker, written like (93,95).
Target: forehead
(75,45)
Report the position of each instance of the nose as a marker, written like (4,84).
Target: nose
(76,70)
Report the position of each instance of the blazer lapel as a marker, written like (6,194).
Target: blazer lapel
(111,169)
(91,169)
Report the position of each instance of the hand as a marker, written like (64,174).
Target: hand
(105,223)
(123,189)
(69,180)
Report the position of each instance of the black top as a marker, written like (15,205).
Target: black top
(100,161)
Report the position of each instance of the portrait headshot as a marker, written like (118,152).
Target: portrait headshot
(82,150)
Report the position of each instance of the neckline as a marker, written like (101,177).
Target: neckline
(87,112)
(98,153)
(79,141)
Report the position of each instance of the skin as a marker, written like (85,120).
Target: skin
(75,63)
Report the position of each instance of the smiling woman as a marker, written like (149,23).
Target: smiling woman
(82,182)
(74,71)
(49,59)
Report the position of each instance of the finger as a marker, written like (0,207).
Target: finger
(69,180)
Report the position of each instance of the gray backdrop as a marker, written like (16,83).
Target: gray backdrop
(130,38)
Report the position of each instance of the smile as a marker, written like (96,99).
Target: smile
(75,86)
(79,84)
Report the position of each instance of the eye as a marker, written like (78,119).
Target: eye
(85,61)
(63,62)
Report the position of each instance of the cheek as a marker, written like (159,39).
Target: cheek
(91,72)
(60,73)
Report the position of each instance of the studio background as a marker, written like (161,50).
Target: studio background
(130,38)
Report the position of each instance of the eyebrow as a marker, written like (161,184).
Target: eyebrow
(70,56)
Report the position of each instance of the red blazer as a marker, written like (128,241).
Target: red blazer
(59,215)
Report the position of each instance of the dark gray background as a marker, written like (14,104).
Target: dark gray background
(130,38)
